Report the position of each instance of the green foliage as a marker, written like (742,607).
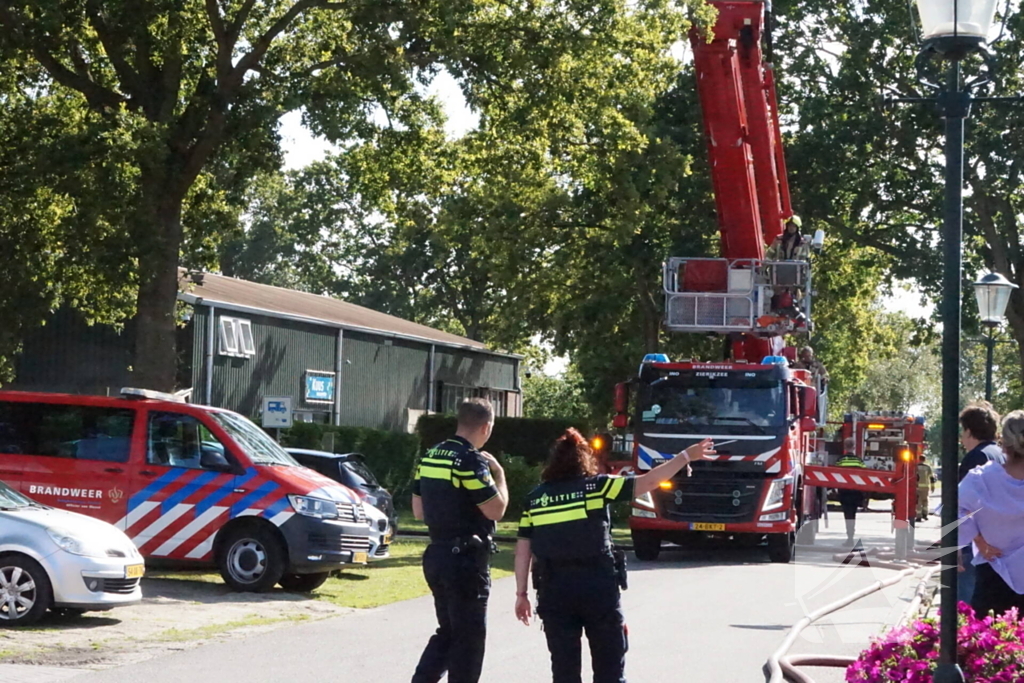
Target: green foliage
(390,455)
(521,477)
(526,438)
(873,176)
(552,397)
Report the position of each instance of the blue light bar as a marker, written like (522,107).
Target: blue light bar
(655,358)
(774,360)
(919,420)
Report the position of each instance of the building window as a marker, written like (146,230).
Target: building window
(236,337)
(452,395)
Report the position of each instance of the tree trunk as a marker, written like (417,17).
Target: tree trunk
(159,232)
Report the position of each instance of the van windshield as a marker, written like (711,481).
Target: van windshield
(260,448)
(12,500)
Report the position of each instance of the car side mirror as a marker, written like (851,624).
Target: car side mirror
(808,424)
(214,460)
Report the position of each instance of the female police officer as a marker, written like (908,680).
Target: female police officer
(564,535)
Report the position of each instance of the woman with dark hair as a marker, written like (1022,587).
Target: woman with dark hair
(564,535)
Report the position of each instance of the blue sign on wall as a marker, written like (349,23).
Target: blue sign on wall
(320,387)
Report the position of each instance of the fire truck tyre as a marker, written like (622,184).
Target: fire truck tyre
(25,592)
(646,545)
(781,547)
(251,559)
(303,583)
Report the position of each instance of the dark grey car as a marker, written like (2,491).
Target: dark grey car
(351,470)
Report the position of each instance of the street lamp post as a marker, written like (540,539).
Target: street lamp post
(993,293)
(951,31)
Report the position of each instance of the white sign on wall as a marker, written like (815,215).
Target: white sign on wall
(277,411)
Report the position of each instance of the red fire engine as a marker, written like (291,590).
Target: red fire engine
(890,444)
(762,412)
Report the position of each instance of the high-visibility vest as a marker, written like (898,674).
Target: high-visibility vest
(850,461)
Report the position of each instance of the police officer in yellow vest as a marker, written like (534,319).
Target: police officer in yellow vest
(849,499)
(459,491)
(925,487)
(564,536)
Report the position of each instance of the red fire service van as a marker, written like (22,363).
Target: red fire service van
(189,484)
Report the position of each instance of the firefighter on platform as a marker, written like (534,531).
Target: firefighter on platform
(850,499)
(564,535)
(807,361)
(925,487)
(460,492)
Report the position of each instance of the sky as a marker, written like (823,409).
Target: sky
(301,148)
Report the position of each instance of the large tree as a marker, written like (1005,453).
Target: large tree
(874,174)
(188,94)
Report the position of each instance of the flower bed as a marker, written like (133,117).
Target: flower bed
(989,650)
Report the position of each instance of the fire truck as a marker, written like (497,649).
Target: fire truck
(759,405)
(883,440)
(761,411)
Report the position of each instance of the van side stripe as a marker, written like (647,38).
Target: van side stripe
(247,502)
(154,488)
(187,490)
(224,491)
(280,505)
(193,528)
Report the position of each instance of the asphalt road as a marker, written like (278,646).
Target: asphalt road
(709,615)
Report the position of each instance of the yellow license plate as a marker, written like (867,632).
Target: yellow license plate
(359,558)
(134,571)
(702,526)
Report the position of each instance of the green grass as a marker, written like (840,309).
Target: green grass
(177,635)
(382,582)
(406,522)
(398,578)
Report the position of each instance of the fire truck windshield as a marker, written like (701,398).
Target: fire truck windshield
(750,404)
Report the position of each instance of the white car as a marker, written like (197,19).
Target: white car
(380,533)
(55,559)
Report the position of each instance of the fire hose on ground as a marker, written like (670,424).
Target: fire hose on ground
(781,667)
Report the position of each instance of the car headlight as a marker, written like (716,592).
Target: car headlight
(776,494)
(73,543)
(645,500)
(314,507)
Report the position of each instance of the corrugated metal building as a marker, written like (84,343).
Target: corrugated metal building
(339,363)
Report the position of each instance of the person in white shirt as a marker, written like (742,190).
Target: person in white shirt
(992,515)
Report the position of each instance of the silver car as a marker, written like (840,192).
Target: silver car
(54,559)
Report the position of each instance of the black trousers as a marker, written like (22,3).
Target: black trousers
(991,593)
(850,500)
(578,600)
(461,585)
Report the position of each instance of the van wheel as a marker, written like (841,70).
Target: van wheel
(25,592)
(251,559)
(781,547)
(303,583)
(646,545)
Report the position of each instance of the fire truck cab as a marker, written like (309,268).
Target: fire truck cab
(762,417)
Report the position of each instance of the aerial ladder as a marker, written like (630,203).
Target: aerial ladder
(765,413)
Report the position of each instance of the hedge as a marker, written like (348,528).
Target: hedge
(521,444)
(523,437)
(391,456)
